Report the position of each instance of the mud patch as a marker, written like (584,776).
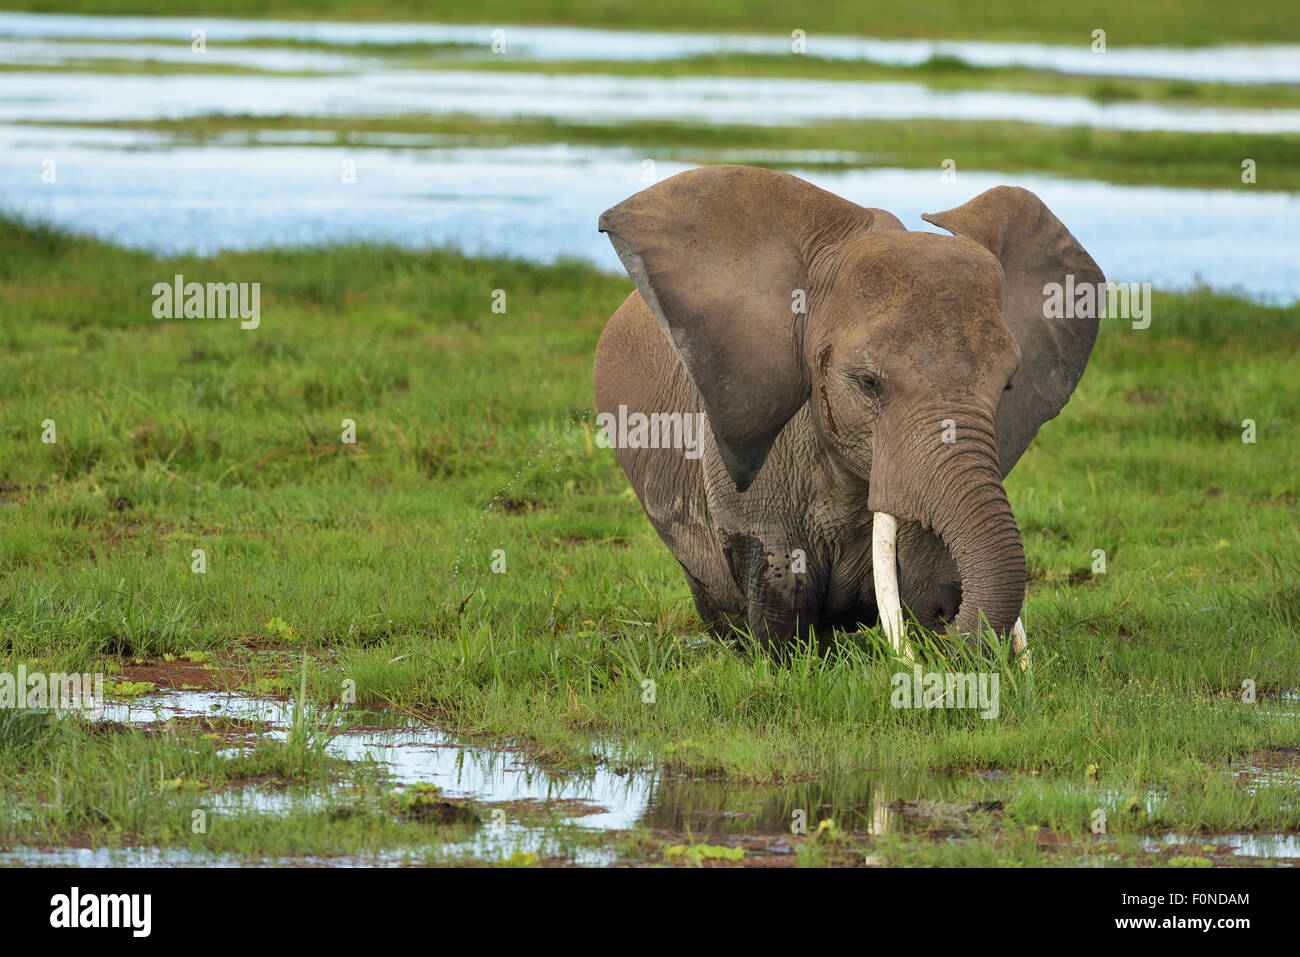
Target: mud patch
(186,675)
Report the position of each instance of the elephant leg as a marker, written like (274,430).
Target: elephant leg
(779,582)
(715,622)
(1020,644)
(773,612)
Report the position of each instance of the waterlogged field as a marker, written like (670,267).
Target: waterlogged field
(432,644)
(363,587)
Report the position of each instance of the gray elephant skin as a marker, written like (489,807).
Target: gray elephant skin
(846,366)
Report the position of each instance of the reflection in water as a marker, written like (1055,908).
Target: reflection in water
(869,801)
(620,798)
(607,798)
(1285,846)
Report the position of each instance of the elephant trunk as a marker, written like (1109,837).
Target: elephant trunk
(982,536)
(955,489)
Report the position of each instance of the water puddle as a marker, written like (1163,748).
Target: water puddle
(610,797)
(595,817)
(1275,846)
(1229,64)
(156,708)
(527,809)
(1254,777)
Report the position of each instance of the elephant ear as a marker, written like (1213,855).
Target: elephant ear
(1035,249)
(718,254)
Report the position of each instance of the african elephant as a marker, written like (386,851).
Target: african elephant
(866,389)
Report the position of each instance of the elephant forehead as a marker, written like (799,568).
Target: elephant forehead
(926,299)
(927,267)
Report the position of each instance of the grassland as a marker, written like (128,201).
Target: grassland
(1157,22)
(474,433)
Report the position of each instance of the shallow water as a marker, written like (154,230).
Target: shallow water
(529,809)
(620,797)
(610,798)
(542,202)
(37,96)
(1229,64)
(1277,846)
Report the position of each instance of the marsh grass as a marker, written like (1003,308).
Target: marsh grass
(940,72)
(1140,157)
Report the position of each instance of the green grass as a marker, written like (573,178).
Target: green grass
(1207,160)
(474,433)
(1156,22)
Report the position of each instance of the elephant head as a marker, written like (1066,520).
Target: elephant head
(926,359)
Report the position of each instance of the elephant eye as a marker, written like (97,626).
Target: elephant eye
(868,381)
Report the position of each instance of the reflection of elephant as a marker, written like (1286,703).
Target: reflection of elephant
(710,808)
(855,376)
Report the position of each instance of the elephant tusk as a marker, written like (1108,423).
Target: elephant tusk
(884,541)
(1020,644)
